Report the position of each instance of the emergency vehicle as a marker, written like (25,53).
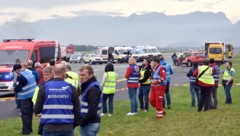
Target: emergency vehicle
(24,49)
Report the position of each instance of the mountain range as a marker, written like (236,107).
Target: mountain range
(186,30)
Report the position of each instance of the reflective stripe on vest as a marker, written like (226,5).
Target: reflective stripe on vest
(134,77)
(216,73)
(58,105)
(109,87)
(192,79)
(143,70)
(29,89)
(227,74)
(84,104)
(156,77)
(207,77)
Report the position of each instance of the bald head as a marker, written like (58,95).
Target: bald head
(59,71)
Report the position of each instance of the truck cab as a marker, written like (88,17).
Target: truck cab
(25,49)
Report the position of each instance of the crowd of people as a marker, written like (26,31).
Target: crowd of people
(64,99)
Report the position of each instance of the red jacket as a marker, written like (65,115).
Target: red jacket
(127,75)
(162,73)
(195,74)
(40,72)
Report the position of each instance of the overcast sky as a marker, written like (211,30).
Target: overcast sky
(33,10)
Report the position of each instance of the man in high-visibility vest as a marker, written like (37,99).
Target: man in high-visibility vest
(205,76)
(145,84)
(158,87)
(74,76)
(227,81)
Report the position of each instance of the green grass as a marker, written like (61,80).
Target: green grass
(181,120)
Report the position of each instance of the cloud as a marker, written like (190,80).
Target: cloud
(94,12)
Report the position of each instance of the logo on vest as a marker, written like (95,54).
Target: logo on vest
(64,88)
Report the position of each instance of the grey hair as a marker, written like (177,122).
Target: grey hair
(30,63)
(37,65)
(48,69)
(64,63)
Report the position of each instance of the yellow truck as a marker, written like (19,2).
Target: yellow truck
(219,51)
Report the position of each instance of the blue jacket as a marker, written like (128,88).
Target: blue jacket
(169,70)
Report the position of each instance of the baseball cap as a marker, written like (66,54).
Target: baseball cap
(17,66)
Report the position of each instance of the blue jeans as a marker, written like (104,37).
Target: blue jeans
(167,95)
(132,92)
(57,133)
(143,95)
(227,89)
(90,130)
(195,90)
(110,103)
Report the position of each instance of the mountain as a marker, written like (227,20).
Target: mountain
(158,29)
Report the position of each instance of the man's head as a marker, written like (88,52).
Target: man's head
(156,61)
(52,62)
(68,67)
(86,72)
(228,64)
(37,65)
(59,71)
(47,73)
(30,63)
(161,57)
(206,62)
(211,61)
(17,68)
(146,62)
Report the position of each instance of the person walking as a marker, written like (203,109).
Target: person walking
(158,87)
(169,72)
(227,81)
(25,87)
(213,105)
(194,88)
(132,75)
(58,104)
(91,102)
(174,59)
(145,84)
(39,69)
(204,75)
(109,88)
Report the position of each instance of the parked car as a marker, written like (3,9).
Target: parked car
(77,58)
(194,57)
(180,60)
(93,59)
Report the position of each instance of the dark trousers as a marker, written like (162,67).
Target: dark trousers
(167,95)
(110,103)
(213,95)
(205,98)
(27,113)
(143,95)
(18,101)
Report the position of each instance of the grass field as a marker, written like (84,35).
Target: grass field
(181,120)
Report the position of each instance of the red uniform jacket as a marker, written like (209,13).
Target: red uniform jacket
(162,73)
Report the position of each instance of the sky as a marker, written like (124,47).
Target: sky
(34,10)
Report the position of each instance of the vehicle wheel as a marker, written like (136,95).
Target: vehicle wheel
(189,63)
(84,62)
(100,63)
(119,61)
(90,62)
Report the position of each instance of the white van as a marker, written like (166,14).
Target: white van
(122,53)
(107,54)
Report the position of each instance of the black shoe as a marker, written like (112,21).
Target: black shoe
(199,110)
(169,106)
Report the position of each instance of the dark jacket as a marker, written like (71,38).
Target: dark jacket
(76,109)
(20,83)
(93,95)
(35,73)
(146,76)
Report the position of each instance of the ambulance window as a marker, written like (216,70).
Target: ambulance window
(104,52)
(116,52)
(34,56)
(46,54)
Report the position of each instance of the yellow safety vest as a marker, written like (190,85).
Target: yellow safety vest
(71,81)
(207,77)
(143,70)
(227,74)
(109,86)
(34,98)
(74,76)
